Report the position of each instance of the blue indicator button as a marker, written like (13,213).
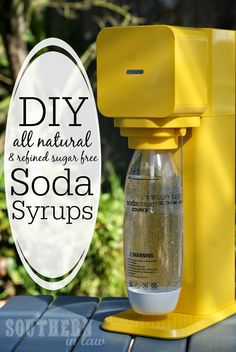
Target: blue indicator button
(135,72)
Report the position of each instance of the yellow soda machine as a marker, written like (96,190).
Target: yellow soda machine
(171,91)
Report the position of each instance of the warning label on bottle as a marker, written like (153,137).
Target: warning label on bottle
(153,232)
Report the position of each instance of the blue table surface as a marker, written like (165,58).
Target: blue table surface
(72,323)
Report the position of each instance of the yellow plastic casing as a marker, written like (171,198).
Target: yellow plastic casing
(152,77)
(209,188)
(208,290)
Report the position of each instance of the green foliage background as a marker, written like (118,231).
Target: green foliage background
(23,24)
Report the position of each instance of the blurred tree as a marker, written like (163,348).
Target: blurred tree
(14,14)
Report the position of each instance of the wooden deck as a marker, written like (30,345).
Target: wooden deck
(71,323)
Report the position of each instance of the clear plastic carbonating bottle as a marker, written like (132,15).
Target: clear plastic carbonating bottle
(153,232)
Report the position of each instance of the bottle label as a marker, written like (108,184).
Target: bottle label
(153,232)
